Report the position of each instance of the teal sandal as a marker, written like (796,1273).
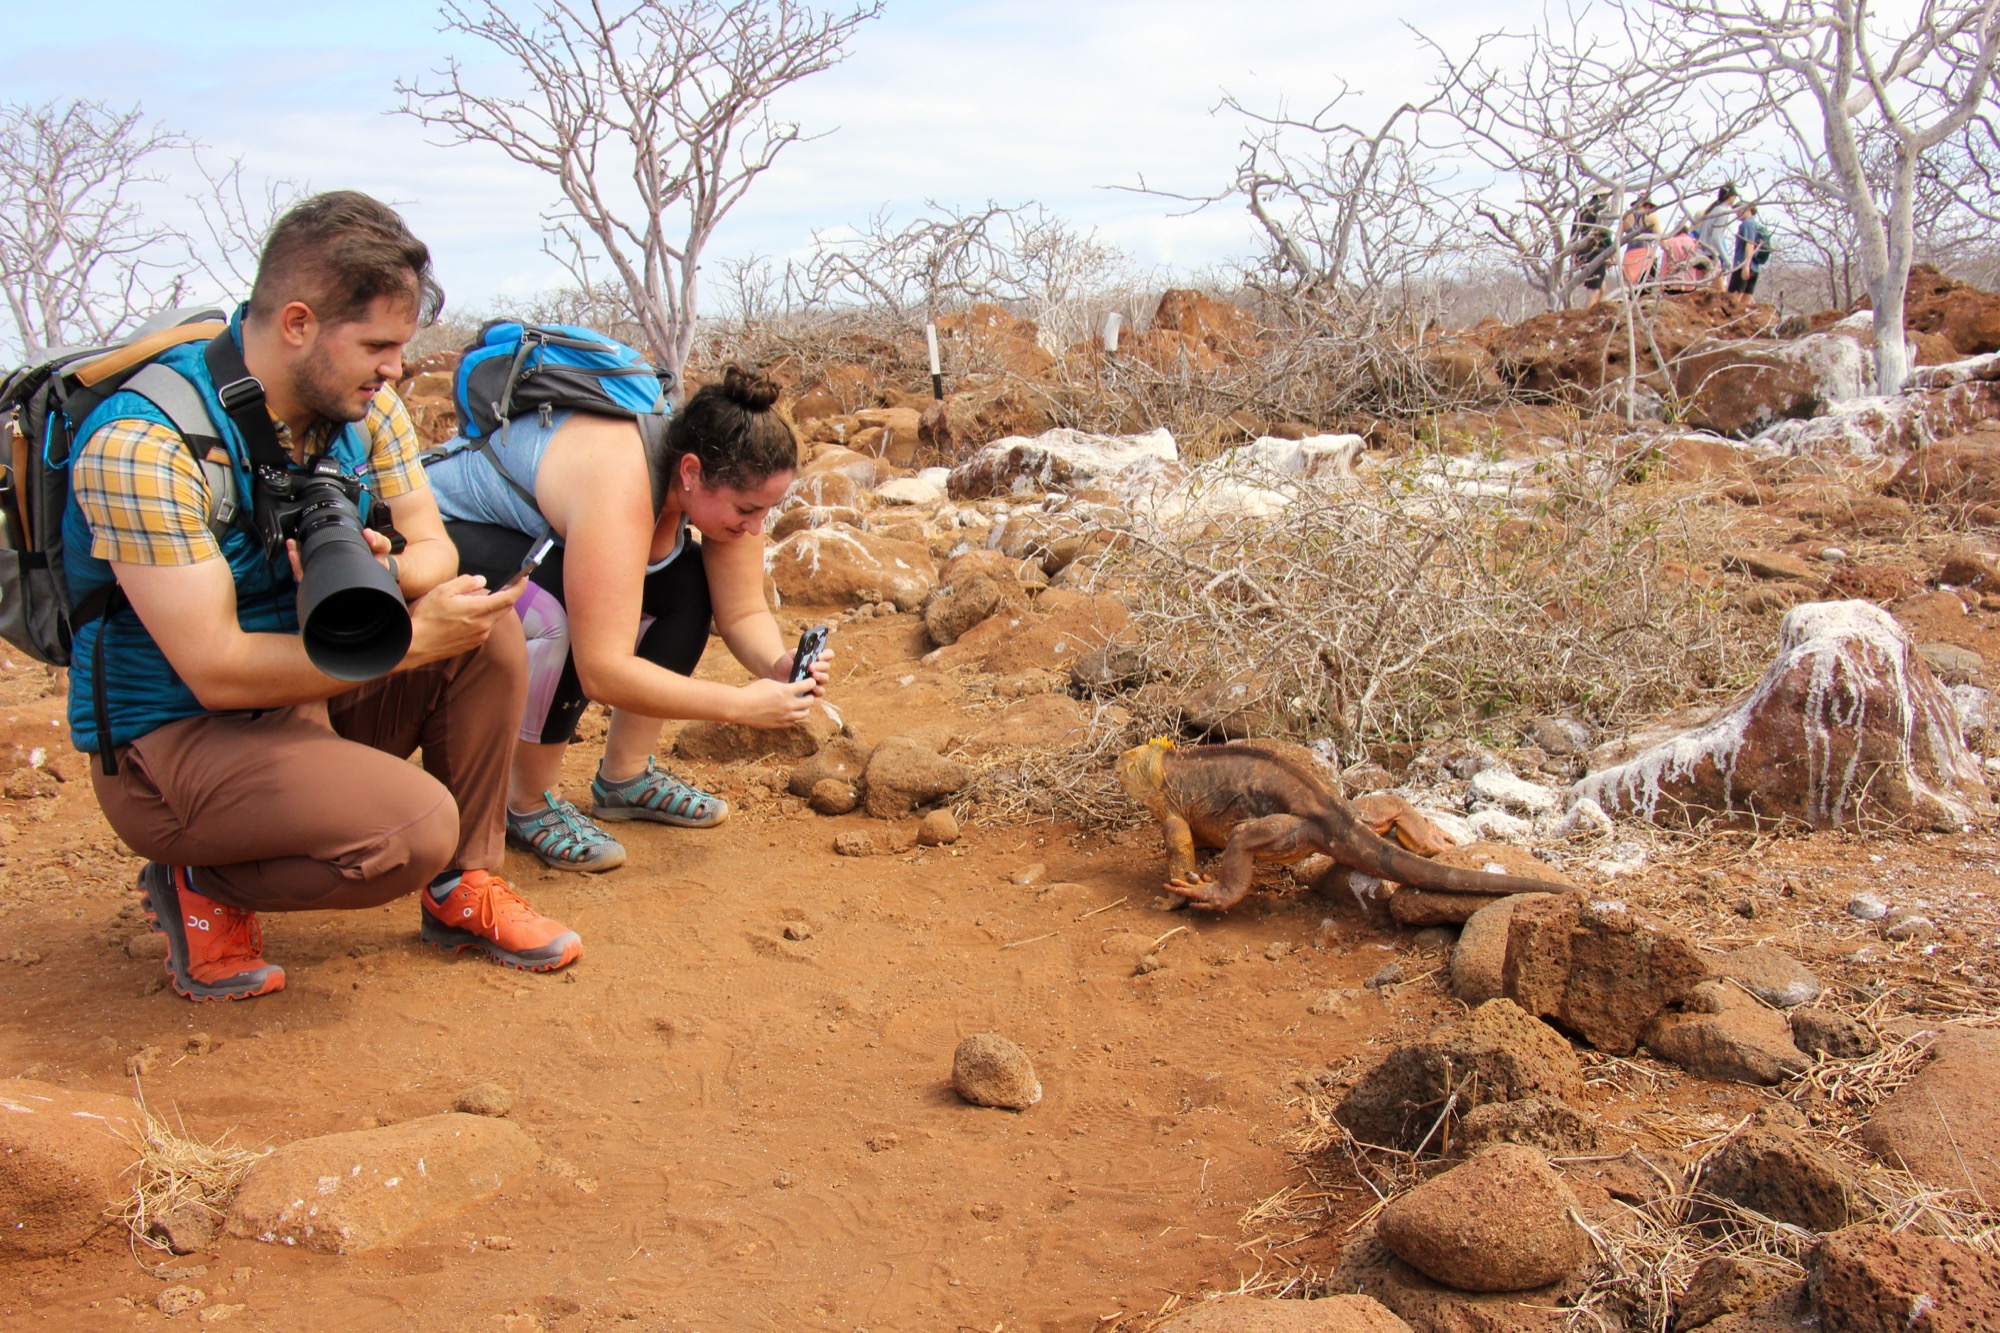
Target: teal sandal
(658,796)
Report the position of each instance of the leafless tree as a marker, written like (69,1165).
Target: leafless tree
(653,117)
(236,215)
(79,256)
(1837,74)
(1344,206)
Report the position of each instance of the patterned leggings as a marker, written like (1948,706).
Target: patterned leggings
(673,622)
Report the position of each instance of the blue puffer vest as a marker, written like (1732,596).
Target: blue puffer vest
(142,690)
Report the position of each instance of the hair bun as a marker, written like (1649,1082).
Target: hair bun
(749,388)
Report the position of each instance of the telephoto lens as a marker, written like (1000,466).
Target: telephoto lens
(352,616)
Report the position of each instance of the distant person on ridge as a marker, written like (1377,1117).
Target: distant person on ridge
(1639,232)
(1590,245)
(250,780)
(1713,229)
(1753,251)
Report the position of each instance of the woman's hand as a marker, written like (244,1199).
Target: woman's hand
(774,703)
(822,669)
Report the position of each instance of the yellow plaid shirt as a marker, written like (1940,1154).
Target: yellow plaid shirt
(147,499)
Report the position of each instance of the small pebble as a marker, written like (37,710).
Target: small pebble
(1745,907)
(853,843)
(798,930)
(179,1300)
(1390,974)
(1906,924)
(883,1142)
(1150,963)
(831,796)
(1277,949)
(1867,907)
(1434,937)
(1027,874)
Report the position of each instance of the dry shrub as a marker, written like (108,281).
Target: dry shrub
(177,1171)
(1439,601)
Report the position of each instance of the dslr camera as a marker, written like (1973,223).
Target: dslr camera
(352,616)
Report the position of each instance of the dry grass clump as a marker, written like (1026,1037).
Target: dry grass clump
(176,1173)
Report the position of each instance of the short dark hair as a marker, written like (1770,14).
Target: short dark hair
(338,252)
(734,429)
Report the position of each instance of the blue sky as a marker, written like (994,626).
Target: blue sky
(1036,99)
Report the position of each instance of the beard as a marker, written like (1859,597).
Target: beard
(317,384)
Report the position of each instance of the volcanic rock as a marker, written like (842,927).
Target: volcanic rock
(1868,1279)
(1498,1222)
(1367,1265)
(1596,967)
(1943,1126)
(1833,1034)
(842,758)
(903,774)
(1551,1127)
(67,1155)
(1056,460)
(1508,1054)
(960,606)
(363,1189)
(1724,1033)
(1848,725)
(1773,976)
(734,742)
(1740,388)
(1782,1174)
(838,566)
(1479,959)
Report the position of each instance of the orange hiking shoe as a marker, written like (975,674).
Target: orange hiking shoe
(214,951)
(483,912)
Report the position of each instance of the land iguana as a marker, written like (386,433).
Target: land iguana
(1262,801)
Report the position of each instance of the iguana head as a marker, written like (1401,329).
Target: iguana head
(1142,768)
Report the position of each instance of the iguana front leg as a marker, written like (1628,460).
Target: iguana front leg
(1182,877)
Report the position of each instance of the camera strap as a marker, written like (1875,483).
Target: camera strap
(242,396)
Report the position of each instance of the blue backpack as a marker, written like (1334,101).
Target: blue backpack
(513,370)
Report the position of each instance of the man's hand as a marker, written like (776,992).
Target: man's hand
(774,703)
(455,617)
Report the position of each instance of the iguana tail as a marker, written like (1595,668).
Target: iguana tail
(1355,845)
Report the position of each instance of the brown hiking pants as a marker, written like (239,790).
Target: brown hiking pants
(314,807)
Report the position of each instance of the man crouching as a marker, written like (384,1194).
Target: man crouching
(252,781)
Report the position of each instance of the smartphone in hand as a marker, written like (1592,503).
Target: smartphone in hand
(532,561)
(811,644)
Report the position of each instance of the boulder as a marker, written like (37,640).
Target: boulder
(1833,1034)
(989,1070)
(979,414)
(1963,316)
(68,1158)
(907,491)
(1551,1127)
(1784,1175)
(842,759)
(1596,967)
(1479,959)
(800,517)
(960,606)
(1847,726)
(1062,627)
(838,566)
(1503,790)
(735,742)
(1868,1279)
(1229,331)
(904,774)
(1498,1222)
(1252,1314)
(1726,1034)
(1320,457)
(1772,975)
(1002,568)
(1740,388)
(1729,1284)
(1943,1126)
(1040,720)
(1963,470)
(1507,1054)
(1056,460)
(1367,1266)
(357,1191)
(1111,669)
